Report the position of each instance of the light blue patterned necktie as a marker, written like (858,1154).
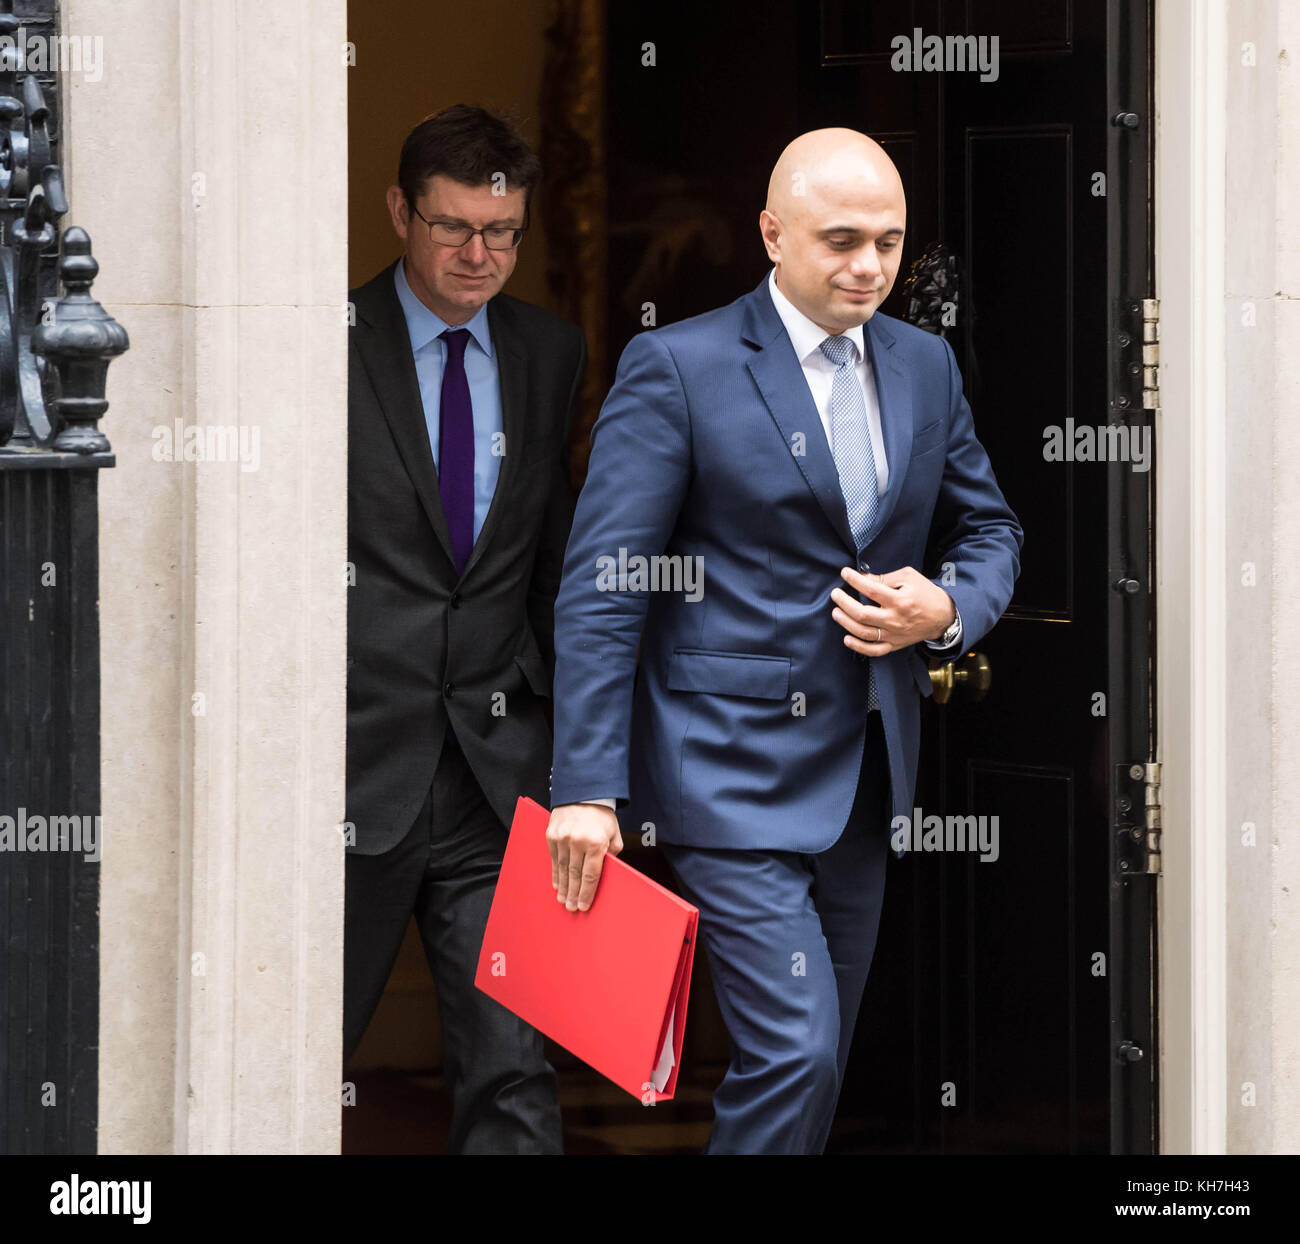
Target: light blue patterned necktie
(854,459)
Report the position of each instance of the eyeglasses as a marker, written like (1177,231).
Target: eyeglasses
(495,238)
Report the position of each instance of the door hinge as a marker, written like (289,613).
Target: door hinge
(1151,354)
(1151,804)
(1137,819)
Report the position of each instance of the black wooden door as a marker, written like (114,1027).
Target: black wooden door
(1002,957)
(1001,988)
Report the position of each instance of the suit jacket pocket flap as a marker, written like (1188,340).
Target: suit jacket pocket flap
(729,673)
(929,437)
(534,671)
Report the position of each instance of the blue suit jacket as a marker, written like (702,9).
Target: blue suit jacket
(743,724)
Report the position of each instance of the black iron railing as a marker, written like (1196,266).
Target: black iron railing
(54,356)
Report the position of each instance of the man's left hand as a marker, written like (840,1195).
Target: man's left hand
(909,608)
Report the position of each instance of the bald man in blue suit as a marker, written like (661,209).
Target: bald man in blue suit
(797,449)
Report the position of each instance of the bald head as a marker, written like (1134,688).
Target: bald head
(835,162)
(833,226)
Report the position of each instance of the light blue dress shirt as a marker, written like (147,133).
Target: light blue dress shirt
(430,353)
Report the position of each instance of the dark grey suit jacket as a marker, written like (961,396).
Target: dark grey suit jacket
(425,645)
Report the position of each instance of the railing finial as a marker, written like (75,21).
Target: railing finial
(79,341)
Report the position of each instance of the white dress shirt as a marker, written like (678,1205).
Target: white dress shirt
(819,371)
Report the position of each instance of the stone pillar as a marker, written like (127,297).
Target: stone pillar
(1283,845)
(208,162)
(1228,532)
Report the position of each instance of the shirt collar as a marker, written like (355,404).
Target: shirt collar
(425,326)
(805,336)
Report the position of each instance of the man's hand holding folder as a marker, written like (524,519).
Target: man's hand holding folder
(608,980)
(579,836)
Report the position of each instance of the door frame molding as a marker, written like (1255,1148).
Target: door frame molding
(1191,628)
(1131,659)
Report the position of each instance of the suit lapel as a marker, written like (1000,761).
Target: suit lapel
(781,383)
(512,381)
(894,393)
(384,344)
(784,390)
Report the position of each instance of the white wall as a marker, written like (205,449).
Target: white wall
(208,166)
(1228,527)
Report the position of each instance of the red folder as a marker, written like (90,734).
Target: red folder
(610,984)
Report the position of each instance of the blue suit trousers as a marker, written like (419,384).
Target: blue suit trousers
(789,938)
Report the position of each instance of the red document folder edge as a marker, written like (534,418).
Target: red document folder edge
(609,984)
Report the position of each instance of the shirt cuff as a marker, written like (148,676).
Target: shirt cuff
(601,803)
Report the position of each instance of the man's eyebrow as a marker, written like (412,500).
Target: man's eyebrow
(499,222)
(891,232)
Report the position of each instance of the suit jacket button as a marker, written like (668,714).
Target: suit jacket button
(448,690)
(454,602)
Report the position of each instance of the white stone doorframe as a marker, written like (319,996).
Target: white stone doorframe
(1227,218)
(208,161)
(1189,223)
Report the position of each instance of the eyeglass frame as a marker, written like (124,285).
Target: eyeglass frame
(520,231)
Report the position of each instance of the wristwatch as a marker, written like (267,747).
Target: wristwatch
(950,635)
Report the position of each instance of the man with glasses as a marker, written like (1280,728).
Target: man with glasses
(460,401)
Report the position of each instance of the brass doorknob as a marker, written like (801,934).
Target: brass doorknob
(971,671)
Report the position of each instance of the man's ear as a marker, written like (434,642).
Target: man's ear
(398,210)
(770,228)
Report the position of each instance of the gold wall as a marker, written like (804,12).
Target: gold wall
(412,59)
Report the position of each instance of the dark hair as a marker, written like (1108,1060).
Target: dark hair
(470,145)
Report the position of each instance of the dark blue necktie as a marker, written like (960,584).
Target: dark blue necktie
(456,448)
